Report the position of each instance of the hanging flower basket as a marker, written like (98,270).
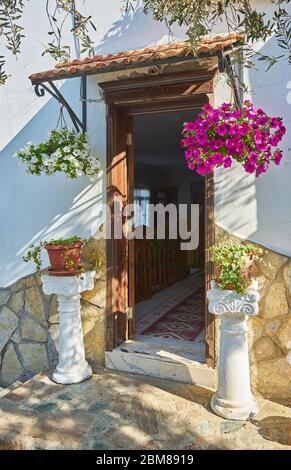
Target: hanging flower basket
(226,134)
(65,151)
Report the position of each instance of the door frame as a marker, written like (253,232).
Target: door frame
(124,99)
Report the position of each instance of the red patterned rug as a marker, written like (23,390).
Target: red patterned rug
(183,322)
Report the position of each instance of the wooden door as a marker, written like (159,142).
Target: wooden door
(198,197)
(209,270)
(117,277)
(130,243)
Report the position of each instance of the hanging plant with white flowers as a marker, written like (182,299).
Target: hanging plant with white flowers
(65,151)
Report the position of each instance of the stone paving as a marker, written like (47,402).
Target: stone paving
(123,411)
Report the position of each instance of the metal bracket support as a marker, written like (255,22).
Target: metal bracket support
(49,87)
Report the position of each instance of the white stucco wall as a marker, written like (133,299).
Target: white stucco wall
(33,208)
(259,209)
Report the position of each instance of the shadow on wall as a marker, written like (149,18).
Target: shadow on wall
(33,208)
(135,30)
(234,198)
(273,191)
(258,208)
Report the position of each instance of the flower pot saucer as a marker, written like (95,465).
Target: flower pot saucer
(64,273)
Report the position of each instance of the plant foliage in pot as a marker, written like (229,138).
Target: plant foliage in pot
(234,265)
(64,255)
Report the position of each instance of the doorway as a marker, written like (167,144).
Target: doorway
(130,103)
(169,284)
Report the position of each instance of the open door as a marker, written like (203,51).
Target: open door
(130,243)
(116,288)
(209,268)
(120,251)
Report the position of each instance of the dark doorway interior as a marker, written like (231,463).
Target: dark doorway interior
(169,282)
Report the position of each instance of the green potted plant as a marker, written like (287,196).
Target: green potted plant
(64,255)
(234,298)
(234,265)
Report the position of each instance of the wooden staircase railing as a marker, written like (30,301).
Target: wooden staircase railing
(158,264)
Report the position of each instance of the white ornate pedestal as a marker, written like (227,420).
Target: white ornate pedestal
(234,398)
(72,366)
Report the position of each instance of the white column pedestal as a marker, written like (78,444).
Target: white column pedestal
(72,366)
(234,398)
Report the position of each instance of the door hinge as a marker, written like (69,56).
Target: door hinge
(130,313)
(128,139)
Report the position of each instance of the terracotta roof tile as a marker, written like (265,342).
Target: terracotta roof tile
(103,63)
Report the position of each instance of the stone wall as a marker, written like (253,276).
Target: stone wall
(270,331)
(29,322)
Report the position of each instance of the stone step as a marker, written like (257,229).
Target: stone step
(158,346)
(144,358)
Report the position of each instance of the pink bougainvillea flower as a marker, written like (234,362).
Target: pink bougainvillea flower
(258,137)
(212,145)
(189,127)
(217,144)
(274,140)
(196,155)
(277,158)
(237,113)
(253,157)
(275,123)
(231,144)
(207,107)
(210,162)
(204,168)
(262,121)
(222,129)
(261,169)
(250,166)
(262,147)
(191,165)
(188,154)
(249,114)
(244,129)
(213,119)
(234,130)
(248,104)
(217,158)
(205,125)
(225,106)
(201,138)
(227,162)
(189,141)
(201,169)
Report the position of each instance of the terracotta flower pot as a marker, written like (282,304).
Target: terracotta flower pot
(65,259)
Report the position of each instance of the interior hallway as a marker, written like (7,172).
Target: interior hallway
(175,313)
